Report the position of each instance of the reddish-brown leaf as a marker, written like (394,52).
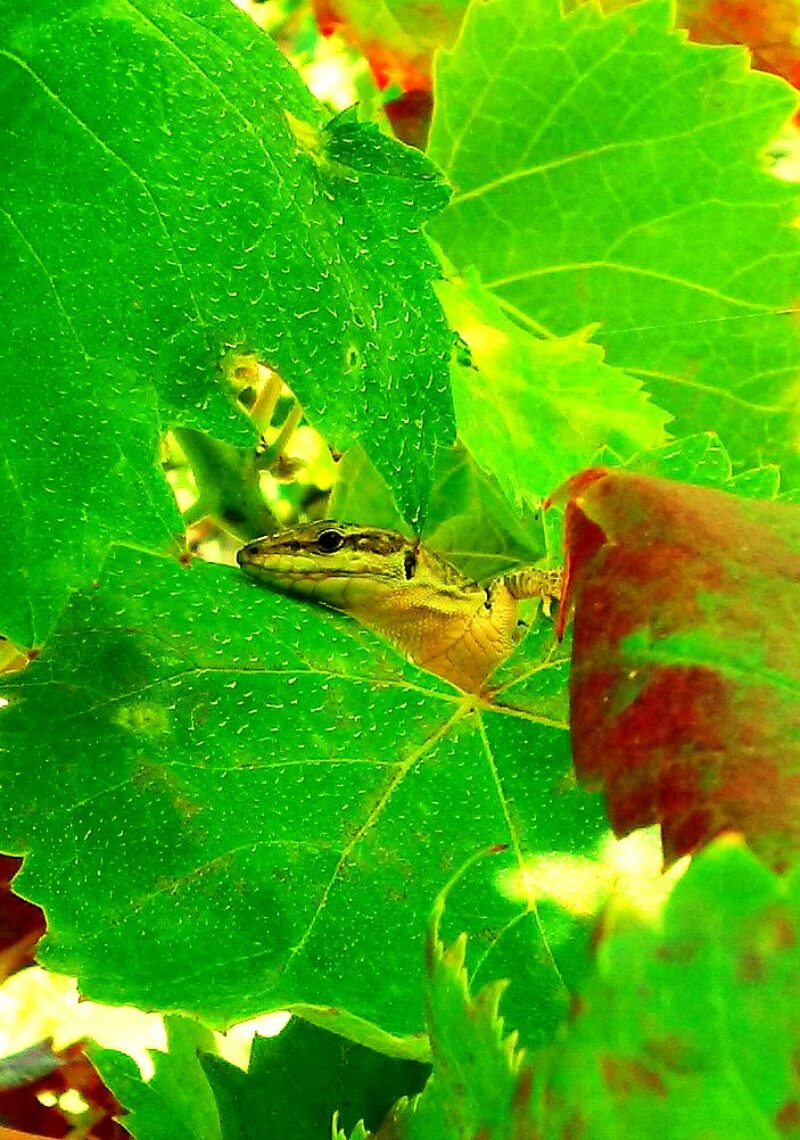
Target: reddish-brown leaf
(21,923)
(685,663)
(770,28)
(398,40)
(394,56)
(40,1070)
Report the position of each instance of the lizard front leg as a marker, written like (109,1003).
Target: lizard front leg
(529,582)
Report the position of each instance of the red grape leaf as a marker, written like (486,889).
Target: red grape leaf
(685,659)
(39,1075)
(398,38)
(768,27)
(21,923)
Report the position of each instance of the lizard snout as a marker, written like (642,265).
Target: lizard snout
(248,553)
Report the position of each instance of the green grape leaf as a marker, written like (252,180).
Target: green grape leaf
(691,1031)
(293,1085)
(757,483)
(472,522)
(686,1031)
(171,191)
(469,521)
(176,1100)
(475,1064)
(296,1081)
(361,495)
(190,746)
(534,411)
(608,173)
(703,460)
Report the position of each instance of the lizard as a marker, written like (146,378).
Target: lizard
(439,618)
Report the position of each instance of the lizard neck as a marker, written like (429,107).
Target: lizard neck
(461,632)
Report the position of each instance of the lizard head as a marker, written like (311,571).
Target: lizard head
(339,564)
(436,616)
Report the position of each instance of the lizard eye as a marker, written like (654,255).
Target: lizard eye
(329,541)
(409,564)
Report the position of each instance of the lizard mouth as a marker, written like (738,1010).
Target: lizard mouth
(277,565)
(248,555)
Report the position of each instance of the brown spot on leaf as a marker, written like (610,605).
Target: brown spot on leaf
(625,1075)
(772,936)
(671,1052)
(574,1126)
(787,1119)
(751,967)
(522,1093)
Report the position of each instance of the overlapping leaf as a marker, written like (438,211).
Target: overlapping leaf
(685,671)
(285,1093)
(476,1066)
(177,1100)
(703,460)
(397,36)
(768,29)
(691,1029)
(470,521)
(534,410)
(293,1085)
(170,190)
(234,802)
(687,1032)
(608,172)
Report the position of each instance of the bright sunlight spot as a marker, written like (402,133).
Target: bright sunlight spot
(629,871)
(36,1005)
